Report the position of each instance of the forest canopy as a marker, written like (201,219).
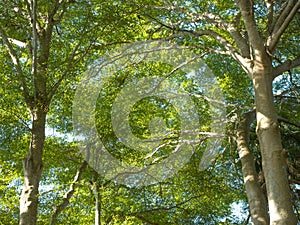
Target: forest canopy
(150,112)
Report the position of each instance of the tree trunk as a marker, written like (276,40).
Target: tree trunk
(97,195)
(96,190)
(256,198)
(274,168)
(33,166)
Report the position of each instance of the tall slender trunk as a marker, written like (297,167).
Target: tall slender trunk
(96,189)
(97,195)
(256,198)
(33,166)
(274,168)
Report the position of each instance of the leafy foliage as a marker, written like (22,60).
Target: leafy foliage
(87,30)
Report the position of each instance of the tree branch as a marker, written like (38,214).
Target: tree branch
(34,38)
(17,42)
(246,7)
(167,208)
(210,18)
(17,65)
(68,195)
(227,26)
(283,21)
(281,14)
(70,62)
(286,66)
(244,62)
(145,220)
(282,119)
(270,15)
(57,5)
(244,58)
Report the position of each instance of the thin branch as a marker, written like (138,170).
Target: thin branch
(213,34)
(227,26)
(247,220)
(17,42)
(244,58)
(270,15)
(281,14)
(57,5)
(242,44)
(70,62)
(282,119)
(68,195)
(52,13)
(145,220)
(244,62)
(293,181)
(218,22)
(167,208)
(283,22)
(34,38)
(286,66)
(26,125)
(198,33)
(17,65)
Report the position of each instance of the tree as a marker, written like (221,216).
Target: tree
(254,34)
(33,32)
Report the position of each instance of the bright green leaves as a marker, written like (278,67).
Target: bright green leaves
(150,110)
(86,31)
(151,119)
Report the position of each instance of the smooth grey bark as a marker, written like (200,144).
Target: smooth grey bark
(267,128)
(273,163)
(256,198)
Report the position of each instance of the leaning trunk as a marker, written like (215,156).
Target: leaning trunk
(33,166)
(256,198)
(274,168)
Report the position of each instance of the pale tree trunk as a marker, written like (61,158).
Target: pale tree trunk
(274,167)
(96,190)
(260,70)
(97,195)
(256,198)
(98,202)
(32,166)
